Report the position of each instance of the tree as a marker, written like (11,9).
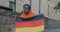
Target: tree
(57,7)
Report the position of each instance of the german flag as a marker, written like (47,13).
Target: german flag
(33,24)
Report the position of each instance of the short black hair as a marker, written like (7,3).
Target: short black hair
(27,5)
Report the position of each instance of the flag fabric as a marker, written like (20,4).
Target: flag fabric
(32,24)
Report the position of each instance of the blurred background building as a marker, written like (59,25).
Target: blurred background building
(49,8)
(45,7)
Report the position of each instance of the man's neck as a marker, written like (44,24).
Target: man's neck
(27,12)
(27,15)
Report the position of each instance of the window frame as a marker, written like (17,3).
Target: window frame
(14,3)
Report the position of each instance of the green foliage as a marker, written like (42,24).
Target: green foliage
(48,0)
(57,7)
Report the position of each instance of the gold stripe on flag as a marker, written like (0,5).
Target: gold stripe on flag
(30,29)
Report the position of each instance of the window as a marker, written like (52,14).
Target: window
(29,2)
(12,4)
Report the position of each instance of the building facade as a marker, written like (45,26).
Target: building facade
(49,9)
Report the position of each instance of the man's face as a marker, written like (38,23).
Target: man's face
(26,9)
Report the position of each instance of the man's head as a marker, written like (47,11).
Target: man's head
(27,8)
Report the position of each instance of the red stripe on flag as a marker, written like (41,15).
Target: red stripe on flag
(29,23)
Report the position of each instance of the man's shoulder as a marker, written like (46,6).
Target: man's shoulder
(41,15)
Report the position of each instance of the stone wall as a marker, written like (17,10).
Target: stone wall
(6,20)
(7,23)
(52,25)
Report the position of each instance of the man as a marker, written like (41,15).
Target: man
(27,12)
(28,21)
